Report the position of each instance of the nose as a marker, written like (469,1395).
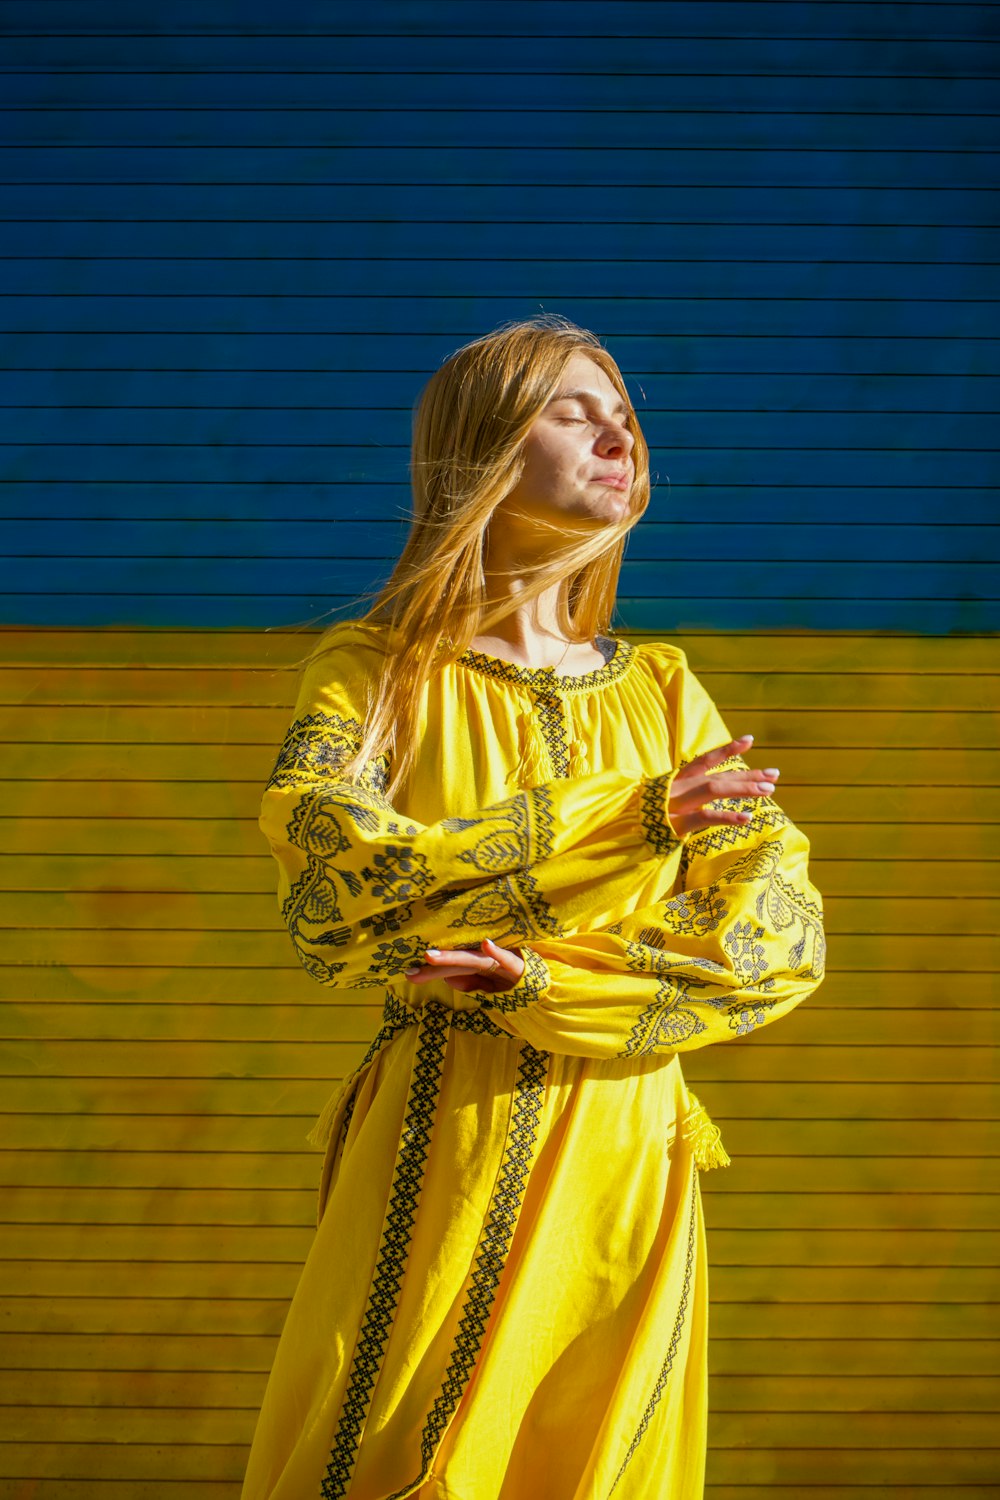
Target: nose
(616,441)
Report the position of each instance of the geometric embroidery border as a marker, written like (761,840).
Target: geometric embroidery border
(491,1256)
(383,1296)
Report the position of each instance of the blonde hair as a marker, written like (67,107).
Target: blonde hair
(467,456)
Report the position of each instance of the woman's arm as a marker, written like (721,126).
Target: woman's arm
(739,946)
(363,889)
(735,944)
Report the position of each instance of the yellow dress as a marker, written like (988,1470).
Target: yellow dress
(506,1296)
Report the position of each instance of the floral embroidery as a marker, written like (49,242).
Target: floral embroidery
(748,954)
(318,745)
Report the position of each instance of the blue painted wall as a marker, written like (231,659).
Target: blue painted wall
(237,238)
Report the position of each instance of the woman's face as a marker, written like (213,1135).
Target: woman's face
(578,452)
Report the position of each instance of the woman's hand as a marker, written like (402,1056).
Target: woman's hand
(693,789)
(465,970)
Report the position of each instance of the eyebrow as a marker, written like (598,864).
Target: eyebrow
(591,396)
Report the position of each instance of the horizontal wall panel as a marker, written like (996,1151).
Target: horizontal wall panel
(656,237)
(654,541)
(712,88)
(115,1460)
(423,125)
(969,57)
(210,350)
(730,203)
(451,273)
(668,316)
(194,19)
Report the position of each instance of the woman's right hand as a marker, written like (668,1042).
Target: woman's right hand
(693,789)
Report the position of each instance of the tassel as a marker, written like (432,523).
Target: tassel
(702,1136)
(534,768)
(579,758)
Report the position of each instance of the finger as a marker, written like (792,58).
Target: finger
(730,784)
(712,818)
(716,756)
(442,963)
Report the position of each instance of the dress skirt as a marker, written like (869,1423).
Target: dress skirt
(506,1297)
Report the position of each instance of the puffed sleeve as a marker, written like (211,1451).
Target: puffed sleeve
(363,890)
(736,943)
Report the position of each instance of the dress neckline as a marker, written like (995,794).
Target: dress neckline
(618,658)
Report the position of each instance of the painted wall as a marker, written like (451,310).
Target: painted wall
(236,240)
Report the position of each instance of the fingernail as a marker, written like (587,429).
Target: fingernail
(410,972)
(432,952)
(772,772)
(747,737)
(765,786)
(745,817)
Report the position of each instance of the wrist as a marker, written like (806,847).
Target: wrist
(531,986)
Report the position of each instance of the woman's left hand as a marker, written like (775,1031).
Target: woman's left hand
(463,969)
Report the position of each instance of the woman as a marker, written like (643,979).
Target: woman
(544,847)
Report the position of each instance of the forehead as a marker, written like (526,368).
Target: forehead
(583,378)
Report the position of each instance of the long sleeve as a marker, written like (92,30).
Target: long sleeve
(736,944)
(363,890)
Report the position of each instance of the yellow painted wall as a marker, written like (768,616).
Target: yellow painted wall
(164,1056)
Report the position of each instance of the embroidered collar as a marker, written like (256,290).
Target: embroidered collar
(618,658)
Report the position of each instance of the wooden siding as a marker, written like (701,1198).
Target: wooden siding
(234,243)
(165,1056)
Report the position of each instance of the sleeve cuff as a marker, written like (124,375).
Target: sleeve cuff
(657,829)
(530,987)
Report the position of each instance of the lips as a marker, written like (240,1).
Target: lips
(616,479)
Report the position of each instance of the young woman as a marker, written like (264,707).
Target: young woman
(546,850)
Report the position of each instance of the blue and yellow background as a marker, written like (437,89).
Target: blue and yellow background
(236,239)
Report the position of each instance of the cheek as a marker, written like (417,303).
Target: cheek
(550,460)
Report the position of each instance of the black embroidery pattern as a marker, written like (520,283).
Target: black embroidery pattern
(675,1337)
(543,680)
(653,815)
(784,906)
(318,745)
(390,1267)
(746,951)
(514,835)
(666,1022)
(695,913)
(492,1251)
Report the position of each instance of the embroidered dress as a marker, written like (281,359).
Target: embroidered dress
(506,1296)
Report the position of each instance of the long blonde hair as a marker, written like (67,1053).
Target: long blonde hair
(467,456)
